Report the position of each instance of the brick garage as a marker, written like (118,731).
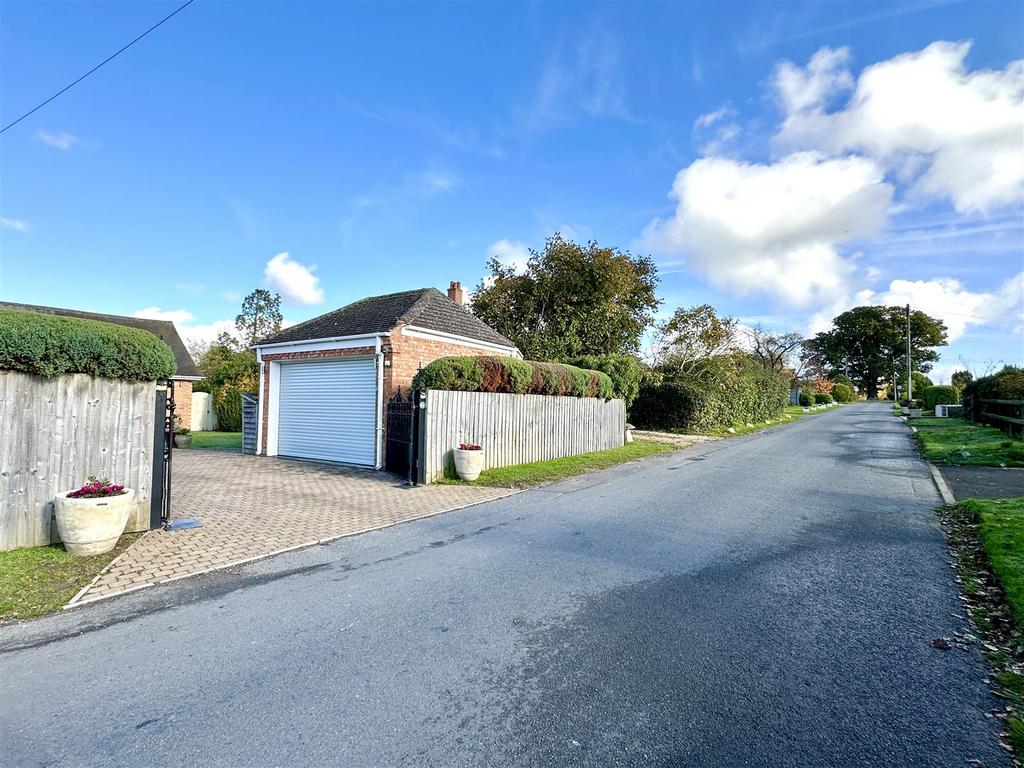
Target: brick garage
(324,383)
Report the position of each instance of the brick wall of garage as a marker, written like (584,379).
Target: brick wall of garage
(183,402)
(409,354)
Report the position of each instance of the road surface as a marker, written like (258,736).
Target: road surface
(761,601)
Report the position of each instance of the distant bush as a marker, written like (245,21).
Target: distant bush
(741,391)
(626,373)
(227,404)
(843,393)
(807,397)
(822,398)
(51,345)
(506,374)
(941,394)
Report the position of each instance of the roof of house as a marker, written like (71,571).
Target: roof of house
(423,307)
(162,329)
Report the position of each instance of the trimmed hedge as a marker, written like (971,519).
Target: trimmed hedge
(1008,384)
(625,371)
(822,398)
(807,397)
(843,393)
(941,394)
(227,404)
(755,394)
(51,345)
(507,374)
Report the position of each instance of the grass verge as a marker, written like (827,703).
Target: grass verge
(789,413)
(986,539)
(956,441)
(39,580)
(524,475)
(217,441)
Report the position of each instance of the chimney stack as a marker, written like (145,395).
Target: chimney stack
(455,293)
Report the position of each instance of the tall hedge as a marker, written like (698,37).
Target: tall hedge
(625,371)
(750,394)
(1007,384)
(941,394)
(507,374)
(51,345)
(227,404)
(843,393)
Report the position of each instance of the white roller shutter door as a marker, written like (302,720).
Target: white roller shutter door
(327,410)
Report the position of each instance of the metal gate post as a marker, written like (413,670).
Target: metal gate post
(156,496)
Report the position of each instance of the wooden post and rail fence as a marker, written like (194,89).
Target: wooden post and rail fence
(1007,415)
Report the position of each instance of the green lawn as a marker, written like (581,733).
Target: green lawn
(956,441)
(523,475)
(217,441)
(1001,531)
(41,580)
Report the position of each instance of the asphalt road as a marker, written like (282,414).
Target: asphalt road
(761,601)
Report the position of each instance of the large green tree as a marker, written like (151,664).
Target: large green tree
(868,344)
(571,300)
(260,316)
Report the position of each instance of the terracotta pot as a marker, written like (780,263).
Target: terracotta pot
(182,441)
(92,526)
(468,464)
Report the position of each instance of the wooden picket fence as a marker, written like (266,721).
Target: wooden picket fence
(515,429)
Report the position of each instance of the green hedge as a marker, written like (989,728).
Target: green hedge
(1008,384)
(507,374)
(822,398)
(227,404)
(754,395)
(51,345)
(807,397)
(625,371)
(842,393)
(941,394)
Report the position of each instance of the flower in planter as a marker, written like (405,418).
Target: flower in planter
(470,447)
(97,489)
(180,428)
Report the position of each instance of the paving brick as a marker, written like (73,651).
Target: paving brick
(251,506)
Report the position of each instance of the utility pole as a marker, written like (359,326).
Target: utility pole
(910,382)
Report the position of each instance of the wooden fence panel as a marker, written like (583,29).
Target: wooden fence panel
(515,429)
(55,433)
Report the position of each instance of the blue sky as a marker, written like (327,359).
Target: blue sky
(780,161)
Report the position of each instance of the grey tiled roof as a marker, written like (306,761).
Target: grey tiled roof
(423,307)
(162,329)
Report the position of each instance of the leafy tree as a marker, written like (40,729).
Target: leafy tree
(689,341)
(260,316)
(572,300)
(868,344)
(961,379)
(775,350)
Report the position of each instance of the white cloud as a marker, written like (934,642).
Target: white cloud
(16,224)
(716,131)
(802,89)
(155,313)
(189,331)
(192,288)
(959,308)
(955,133)
(510,254)
(773,228)
(62,141)
(294,281)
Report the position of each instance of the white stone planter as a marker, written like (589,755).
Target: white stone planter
(916,413)
(904,410)
(468,464)
(92,526)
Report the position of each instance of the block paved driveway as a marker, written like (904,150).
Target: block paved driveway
(252,507)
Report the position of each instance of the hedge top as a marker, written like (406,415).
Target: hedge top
(509,375)
(51,345)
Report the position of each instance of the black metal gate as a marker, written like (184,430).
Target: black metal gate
(401,424)
(163,443)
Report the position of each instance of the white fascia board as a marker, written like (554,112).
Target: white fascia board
(316,345)
(430,334)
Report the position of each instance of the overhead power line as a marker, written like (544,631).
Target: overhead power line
(113,56)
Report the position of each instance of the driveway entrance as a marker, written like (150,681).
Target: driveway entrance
(252,507)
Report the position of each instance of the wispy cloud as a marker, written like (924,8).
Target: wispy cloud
(194,289)
(418,185)
(16,224)
(62,141)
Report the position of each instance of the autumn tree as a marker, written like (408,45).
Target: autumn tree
(571,300)
(868,344)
